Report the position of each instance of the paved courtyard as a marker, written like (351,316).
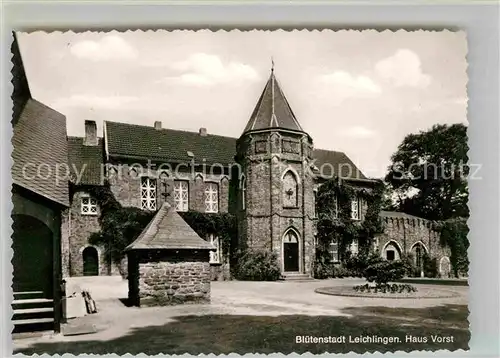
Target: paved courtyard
(258,317)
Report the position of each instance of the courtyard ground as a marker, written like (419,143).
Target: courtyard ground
(264,317)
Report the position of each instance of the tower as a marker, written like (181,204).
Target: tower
(276,205)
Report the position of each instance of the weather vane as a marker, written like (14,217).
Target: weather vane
(272,64)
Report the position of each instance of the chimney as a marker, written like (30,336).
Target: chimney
(90,133)
(203,132)
(157,124)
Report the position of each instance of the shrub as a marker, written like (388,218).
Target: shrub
(430,266)
(257,265)
(385,271)
(341,272)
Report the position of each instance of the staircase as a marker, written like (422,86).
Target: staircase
(296,277)
(32,312)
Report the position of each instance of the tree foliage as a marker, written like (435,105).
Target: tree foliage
(454,235)
(432,165)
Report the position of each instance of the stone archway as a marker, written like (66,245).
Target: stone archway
(33,261)
(90,258)
(418,250)
(445,267)
(291,251)
(391,251)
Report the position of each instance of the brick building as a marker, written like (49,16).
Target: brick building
(267,178)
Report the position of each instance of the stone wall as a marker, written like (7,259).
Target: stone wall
(404,233)
(266,217)
(125,183)
(76,229)
(162,278)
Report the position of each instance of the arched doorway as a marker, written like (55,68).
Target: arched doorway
(291,251)
(32,243)
(90,262)
(445,267)
(418,250)
(391,251)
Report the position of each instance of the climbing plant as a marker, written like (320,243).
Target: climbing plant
(454,235)
(120,225)
(335,223)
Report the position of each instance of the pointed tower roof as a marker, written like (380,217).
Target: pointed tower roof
(167,230)
(272,109)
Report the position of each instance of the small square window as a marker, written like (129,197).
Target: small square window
(88,205)
(390,255)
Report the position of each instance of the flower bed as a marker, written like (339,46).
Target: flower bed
(422,292)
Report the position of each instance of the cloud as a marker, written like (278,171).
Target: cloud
(359,132)
(403,69)
(95,101)
(352,84)
(201,69)
(109,48)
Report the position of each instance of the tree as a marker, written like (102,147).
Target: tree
(429,172)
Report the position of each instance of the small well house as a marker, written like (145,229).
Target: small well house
(168,263)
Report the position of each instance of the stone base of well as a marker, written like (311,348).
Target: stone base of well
(170,280)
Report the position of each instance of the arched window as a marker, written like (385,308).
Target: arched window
(90,262)
(290,189)
(243,193)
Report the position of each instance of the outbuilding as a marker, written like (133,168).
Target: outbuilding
(168,263)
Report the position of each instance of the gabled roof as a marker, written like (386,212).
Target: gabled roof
(21,91)
(39,142)
(85,161)
(339,162)
(272,110)
(142,142)
(167,230)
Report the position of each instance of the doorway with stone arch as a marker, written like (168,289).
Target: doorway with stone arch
(90,261)
(291,251)
(418,250)
(33,261)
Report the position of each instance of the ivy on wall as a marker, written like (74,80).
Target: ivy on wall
(335,223)
(454,235)
(120,225)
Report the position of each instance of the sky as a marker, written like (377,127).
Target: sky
(359,92)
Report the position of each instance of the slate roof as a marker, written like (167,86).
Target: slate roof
(86,160)
(272,110)
(398,214)
(339,162)
(168,230)
(39,141)
(143,142)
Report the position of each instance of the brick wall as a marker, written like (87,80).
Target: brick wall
(168,278)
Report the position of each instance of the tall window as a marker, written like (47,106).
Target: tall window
(354,247)
(148,193)
(290,189)
(181,195)
(211,198)
(315,194)
(333,249)
(355,209)
(215,255)
(335,207)
(243,192)
(88,205)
